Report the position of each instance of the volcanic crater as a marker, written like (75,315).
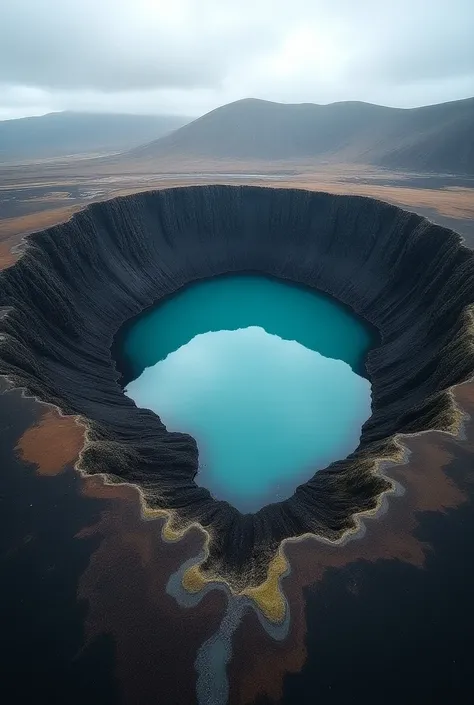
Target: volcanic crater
(77,283)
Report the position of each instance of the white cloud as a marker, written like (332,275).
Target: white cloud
(188,56)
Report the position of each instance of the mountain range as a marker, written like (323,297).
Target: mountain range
(71,133)
(435,138)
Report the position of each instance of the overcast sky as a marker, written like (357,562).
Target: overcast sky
(189,56)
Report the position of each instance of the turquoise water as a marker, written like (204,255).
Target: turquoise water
(292,312)
(266,410)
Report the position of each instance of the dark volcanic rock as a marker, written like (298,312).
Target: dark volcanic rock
(78,282)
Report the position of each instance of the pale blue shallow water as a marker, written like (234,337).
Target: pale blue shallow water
(264,374)
(266,412)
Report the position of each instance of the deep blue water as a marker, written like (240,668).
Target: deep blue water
(261,373)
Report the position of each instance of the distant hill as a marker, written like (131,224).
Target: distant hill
(60,134)
(437,138)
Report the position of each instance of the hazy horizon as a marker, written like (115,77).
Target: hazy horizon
(148,57)
(195,117)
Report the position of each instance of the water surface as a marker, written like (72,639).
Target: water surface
(261,374)
(288,310)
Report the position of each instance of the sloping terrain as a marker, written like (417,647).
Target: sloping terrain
(68,133)
(437,138)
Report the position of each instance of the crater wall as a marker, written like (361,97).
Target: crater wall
(78,282)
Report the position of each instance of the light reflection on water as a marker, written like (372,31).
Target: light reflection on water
(266,412)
